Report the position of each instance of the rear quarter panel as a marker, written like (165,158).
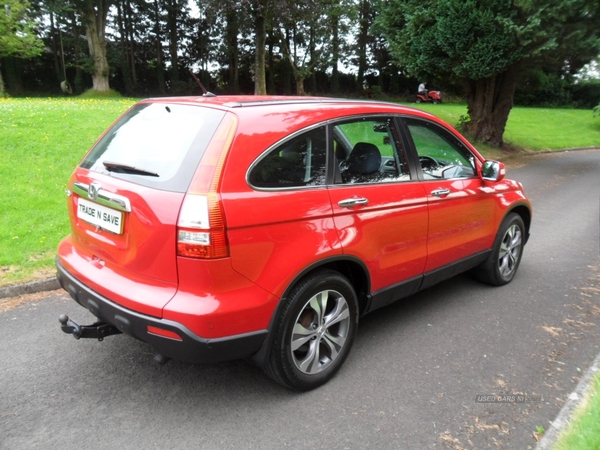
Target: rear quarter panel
(273,234)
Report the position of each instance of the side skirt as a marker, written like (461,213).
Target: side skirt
(404,289)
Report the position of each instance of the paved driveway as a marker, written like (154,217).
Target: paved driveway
(411,381)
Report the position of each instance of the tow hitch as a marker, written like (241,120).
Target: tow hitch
(97,330)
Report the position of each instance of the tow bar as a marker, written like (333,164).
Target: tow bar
(97,330)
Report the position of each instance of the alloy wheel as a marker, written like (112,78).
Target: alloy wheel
(320,332)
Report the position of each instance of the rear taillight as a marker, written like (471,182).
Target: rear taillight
(201,226)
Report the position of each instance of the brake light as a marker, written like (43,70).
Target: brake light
(201,229)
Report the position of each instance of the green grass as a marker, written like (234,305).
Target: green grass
(41,141)
(536,128)
(583,431)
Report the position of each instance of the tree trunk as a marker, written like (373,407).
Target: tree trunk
(271,62)
(232,51)
(363,38)
(312,78)
(160,73)
(299,83)
(335,55)
(75,30)
(124,49)
(53,32)
(94,13)
(172,10)
(260,79)
(131,43)
(489,103)
(300,73)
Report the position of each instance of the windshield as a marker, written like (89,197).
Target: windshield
(156,144)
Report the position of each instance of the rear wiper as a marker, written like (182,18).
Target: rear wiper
(124,168)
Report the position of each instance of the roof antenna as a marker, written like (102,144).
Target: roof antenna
(205,93)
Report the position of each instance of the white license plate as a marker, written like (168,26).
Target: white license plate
(101,216)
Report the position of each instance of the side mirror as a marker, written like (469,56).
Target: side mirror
(493,171)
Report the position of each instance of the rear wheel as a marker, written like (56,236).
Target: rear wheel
(503,262)
(315,331)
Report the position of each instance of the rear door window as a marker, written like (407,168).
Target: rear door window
(368,150)
(157,145)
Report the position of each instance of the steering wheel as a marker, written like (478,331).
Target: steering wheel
(428,163)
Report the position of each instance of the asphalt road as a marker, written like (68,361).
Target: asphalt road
(411,381)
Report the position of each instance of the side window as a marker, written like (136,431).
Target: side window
(300,161)
(440,153)
(368,151)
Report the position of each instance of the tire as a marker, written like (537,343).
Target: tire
(315,331)
(502,264)
(418,100)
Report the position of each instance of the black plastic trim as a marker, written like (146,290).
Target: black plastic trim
(443,273)
(406,288)
(393,293)
(191,348)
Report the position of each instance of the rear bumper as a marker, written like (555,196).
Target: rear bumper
(178,343)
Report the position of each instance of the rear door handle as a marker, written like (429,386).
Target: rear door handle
(442,192)
(350,202)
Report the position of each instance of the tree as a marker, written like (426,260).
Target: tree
(17,37)
(126,17)
(299,40)
(485,44)
(338,16)
(260,14)
(94,14)
(364,38)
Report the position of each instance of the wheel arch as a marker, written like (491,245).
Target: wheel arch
(350,267)
(524,211)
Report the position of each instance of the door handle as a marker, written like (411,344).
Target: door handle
(350,202)
(442,192)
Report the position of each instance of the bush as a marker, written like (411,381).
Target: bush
(538,88)
(586,94)
(92,93)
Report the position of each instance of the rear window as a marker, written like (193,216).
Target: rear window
(157,145)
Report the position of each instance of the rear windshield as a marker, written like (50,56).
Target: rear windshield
(157,145)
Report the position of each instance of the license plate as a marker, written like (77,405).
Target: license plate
(101,216)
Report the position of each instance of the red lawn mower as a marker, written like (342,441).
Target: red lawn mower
(434,97)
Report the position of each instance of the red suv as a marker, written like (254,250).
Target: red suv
(264,227)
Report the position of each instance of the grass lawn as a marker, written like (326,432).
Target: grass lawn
(41,141)
(583,431)
(536,128)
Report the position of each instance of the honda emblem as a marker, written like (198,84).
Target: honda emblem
(93,191)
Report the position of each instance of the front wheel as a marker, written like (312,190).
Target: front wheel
(315,331)
(502,264)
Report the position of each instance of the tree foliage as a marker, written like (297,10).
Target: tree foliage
(476,49)
(17,36)
(486,45)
